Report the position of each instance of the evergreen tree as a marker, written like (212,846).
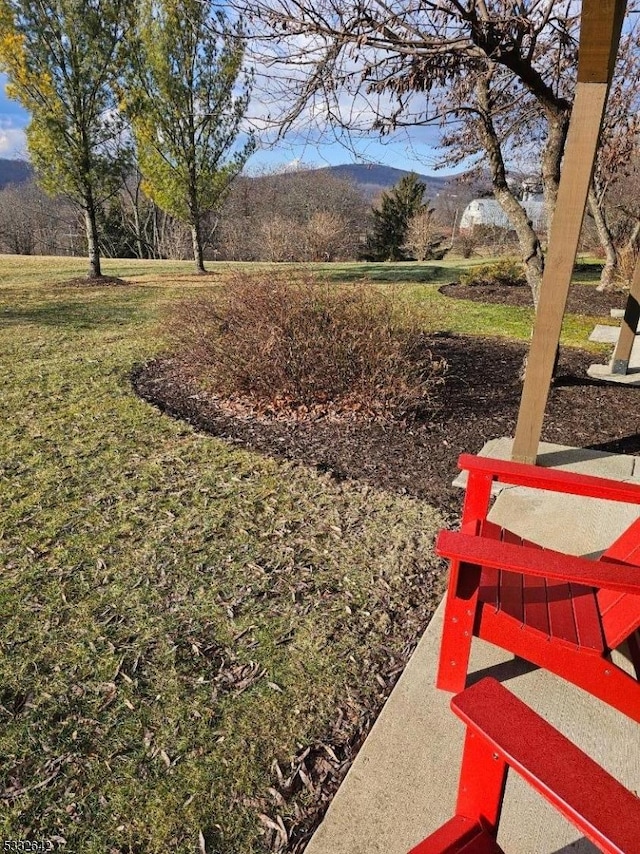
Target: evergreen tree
(185,115)
(391,219)
(62,59)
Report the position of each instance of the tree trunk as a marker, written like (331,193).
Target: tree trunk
(610,269)
(530,248)
(634,238)
(196,222)
(137,227)
(197,247)
(558,126)
(93,244)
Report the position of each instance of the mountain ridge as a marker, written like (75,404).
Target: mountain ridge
(375,177)
(372,178)
(14,171)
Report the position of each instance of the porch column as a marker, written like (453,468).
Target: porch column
(599,39)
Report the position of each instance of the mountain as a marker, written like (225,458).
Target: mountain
(14,172)
(374,178)
(371,179)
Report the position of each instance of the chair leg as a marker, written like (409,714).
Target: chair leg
(458,836)
(457,631)
(482,782)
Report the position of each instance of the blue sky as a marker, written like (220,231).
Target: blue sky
(13,120)
(405,151)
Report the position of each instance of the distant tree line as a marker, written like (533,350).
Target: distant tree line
(136,112)
(289,215)
(497,78)
(301,215)
(137,108)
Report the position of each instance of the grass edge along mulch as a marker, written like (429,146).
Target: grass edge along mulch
(583,299)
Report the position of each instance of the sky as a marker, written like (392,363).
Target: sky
(410,151)
(13,120)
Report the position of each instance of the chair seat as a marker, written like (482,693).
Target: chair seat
(566,612)
(556,609)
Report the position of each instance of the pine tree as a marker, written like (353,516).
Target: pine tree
(186,118)
(391,219)
(62,59)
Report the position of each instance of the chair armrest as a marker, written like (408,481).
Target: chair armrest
(539,477)
(594,801)
(547,563)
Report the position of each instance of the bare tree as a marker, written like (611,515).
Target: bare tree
(424,235)
(292,215)
(497,76)
(33,223)
(618,159)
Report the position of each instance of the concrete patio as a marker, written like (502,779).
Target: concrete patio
(403,783)
(610,335)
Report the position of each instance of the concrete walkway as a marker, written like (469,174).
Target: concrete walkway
(610,335)
(403,783)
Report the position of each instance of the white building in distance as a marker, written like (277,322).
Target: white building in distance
(489,212)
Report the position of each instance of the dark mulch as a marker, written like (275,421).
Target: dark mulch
(583,299)
(99,282)
(478,402)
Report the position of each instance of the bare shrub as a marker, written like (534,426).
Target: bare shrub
(627,261)
(299,215)
(466,244)
(328,236)
(280,239)
(281,345)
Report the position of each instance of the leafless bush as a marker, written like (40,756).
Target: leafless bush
(281,238)
(466,244)
(627,261)
(424,236)
(305,215)
(283,345)
(328,235)
(495,240)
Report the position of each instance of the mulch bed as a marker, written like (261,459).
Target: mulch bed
(99,282)
(583,299)
(478,402)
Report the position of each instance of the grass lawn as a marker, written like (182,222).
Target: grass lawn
(178,614)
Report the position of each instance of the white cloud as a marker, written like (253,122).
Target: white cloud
(13,142)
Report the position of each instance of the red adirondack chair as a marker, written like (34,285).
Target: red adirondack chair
(560,612)
(503,733)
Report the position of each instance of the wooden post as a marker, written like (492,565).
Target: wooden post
(599,38)
(622,353)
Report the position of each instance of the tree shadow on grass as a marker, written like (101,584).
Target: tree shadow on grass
(71,314)
(388,273)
